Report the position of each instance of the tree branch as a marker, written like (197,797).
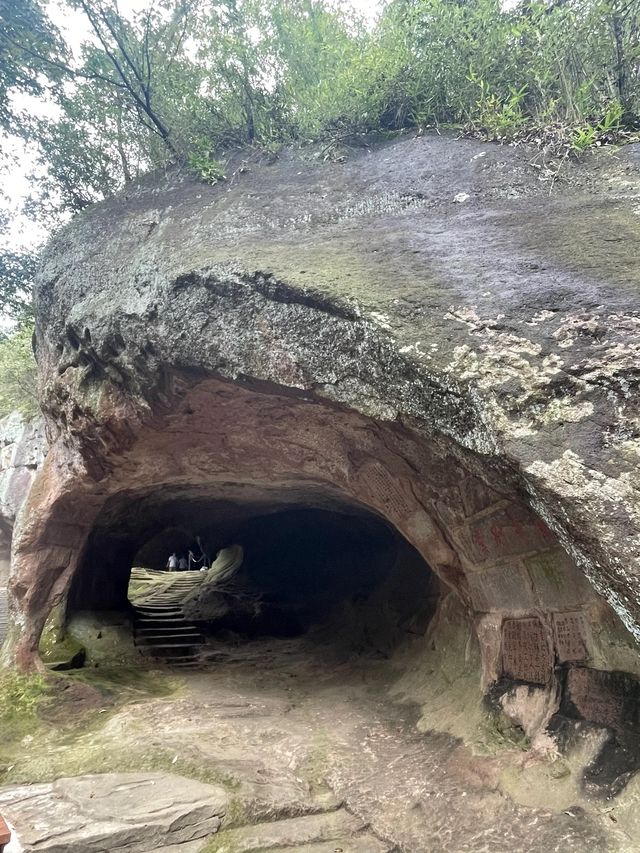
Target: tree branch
(61,66)
(144,101)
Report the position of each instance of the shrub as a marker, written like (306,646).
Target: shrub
(18,373)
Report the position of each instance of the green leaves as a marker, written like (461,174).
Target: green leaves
(32,56)
(184,81)
(17,270)
(210,170)
(585,135)
(18,373)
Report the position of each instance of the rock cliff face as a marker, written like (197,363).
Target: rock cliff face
(22,451)
(424,331)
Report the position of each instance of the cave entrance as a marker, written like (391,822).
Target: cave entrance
(313,565)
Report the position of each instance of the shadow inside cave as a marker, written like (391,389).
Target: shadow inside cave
(320,568)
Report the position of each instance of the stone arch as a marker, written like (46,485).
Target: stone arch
(485,544)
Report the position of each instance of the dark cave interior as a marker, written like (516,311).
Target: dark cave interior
(309,558)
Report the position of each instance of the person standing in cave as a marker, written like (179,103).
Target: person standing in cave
(172,562)
(183,565)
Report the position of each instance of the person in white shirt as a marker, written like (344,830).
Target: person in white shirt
(172,562)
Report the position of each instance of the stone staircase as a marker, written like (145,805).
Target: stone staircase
(160,627)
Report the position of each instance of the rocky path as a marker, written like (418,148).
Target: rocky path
(314,833)
(316,722)
(315,758)
(299,734)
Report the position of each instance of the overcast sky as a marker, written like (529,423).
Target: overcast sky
(24,234)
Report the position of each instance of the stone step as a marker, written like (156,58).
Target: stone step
(338,828)
(161,630)
(169,607)
(175,663)
(170,619)
(168,630)
(172,600)
(363,844)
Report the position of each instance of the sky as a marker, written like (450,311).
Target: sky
(24,234)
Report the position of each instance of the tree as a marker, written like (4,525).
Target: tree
(133,59)
(184,81)
(18,373)
(17,270)
(32,57)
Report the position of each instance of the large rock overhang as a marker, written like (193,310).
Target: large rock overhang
(457,383)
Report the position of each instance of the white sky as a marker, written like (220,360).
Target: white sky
(24,233)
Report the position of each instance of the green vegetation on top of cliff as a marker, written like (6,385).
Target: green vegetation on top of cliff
(188,80)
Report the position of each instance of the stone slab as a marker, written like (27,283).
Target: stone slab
(295,832)
(509,532)
(610,699)
(501,588)
(526,655)
(363,844)
(571,632)
(558,583)
(127,812)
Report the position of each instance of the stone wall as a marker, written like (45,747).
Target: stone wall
(22,451)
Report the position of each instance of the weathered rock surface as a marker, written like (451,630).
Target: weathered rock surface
(300,733)
(350,336)
(23,447)
(128,812)
(312,833)
(22,451)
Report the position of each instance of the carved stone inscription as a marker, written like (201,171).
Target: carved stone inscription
(571,636)
(505,533)
(602,697)
(525,652)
